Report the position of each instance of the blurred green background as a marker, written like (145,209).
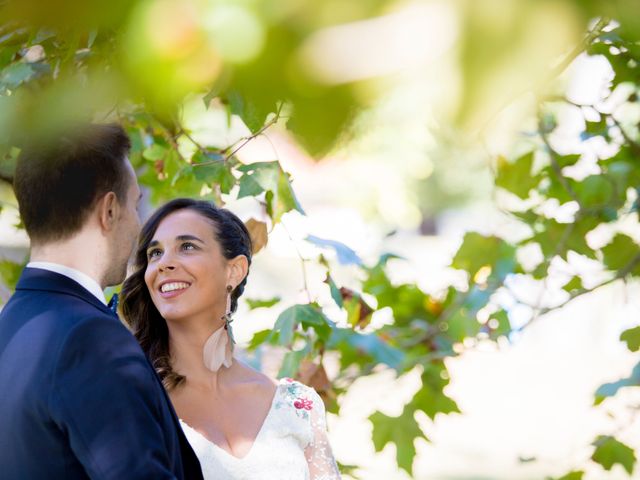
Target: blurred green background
(444,195)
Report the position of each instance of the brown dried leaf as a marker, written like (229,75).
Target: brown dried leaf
(315,376)
(258,234)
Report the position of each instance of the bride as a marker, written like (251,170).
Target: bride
(191,266)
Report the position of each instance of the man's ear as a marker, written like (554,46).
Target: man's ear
(108,210)
(238,268)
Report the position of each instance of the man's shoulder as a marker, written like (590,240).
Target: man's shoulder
(43,305)
(53,320)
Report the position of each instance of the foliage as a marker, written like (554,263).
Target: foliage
(110,65)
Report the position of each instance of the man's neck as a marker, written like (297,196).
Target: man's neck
(78,252)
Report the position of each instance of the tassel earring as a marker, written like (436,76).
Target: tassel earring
(218,349)
(227,318)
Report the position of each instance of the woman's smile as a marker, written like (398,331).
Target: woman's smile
(173,288)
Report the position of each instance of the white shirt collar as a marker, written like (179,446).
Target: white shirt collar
(82,278)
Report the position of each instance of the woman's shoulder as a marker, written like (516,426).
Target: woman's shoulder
(299,397)
(254,382)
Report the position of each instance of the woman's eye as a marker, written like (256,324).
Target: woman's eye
(188,246)
(154,253)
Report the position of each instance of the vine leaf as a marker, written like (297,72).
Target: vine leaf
(212,169)
(257,303)
(402,431)
(610,451)
(270,178)
(516,177)
(574,475)
(619,252)
(632,338)
(478,251)
(309,316)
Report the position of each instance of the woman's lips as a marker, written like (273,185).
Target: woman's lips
(173,289)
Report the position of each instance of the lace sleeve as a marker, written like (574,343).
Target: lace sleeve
(322,465)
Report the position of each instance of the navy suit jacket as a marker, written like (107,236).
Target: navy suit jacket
(78,397)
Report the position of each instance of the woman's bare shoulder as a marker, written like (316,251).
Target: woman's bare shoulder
(255,381)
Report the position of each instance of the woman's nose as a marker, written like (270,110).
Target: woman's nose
(166,264)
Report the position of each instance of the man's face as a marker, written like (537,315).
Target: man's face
(127,231)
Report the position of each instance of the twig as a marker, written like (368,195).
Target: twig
(199,146)
(635,261)
(244,140)
(635,146)
(303,262)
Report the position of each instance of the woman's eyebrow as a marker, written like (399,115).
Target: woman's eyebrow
(188,237)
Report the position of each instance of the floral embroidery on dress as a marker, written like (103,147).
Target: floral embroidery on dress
(303,402)
(295,394)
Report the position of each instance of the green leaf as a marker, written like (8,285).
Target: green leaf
(291,364)
(432,402)
(574,284)
(632,338)
(597,128)
(575,475)
(567,160)
(499,324)
(269,176)
(286,199)
(610,451)
(361,348)
(558,238)
(253,304)
(610,389)
(10,272)
(346,256)
(212,169)
(318,120)
(516,177)
(16,74)
(400,431)
(249,187)
(252,113)
(593,191)
(462,324)
(263,336)
(620,252)
(335,291)
(308,316)
(155,152)
(477,251)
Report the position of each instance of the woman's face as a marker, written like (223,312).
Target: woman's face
(186,273)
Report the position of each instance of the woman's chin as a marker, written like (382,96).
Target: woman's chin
(174,314)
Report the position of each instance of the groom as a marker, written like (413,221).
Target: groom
(78,398)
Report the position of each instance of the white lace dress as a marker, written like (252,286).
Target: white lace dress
(292,443)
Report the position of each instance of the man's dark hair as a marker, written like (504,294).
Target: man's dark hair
(58,183)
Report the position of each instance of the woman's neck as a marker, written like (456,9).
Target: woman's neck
(187,342)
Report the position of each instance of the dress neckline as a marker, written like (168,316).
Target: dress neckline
(255,440)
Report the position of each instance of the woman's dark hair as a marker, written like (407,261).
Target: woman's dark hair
(138,310)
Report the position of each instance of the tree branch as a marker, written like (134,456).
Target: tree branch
(243,141)
(633,263)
